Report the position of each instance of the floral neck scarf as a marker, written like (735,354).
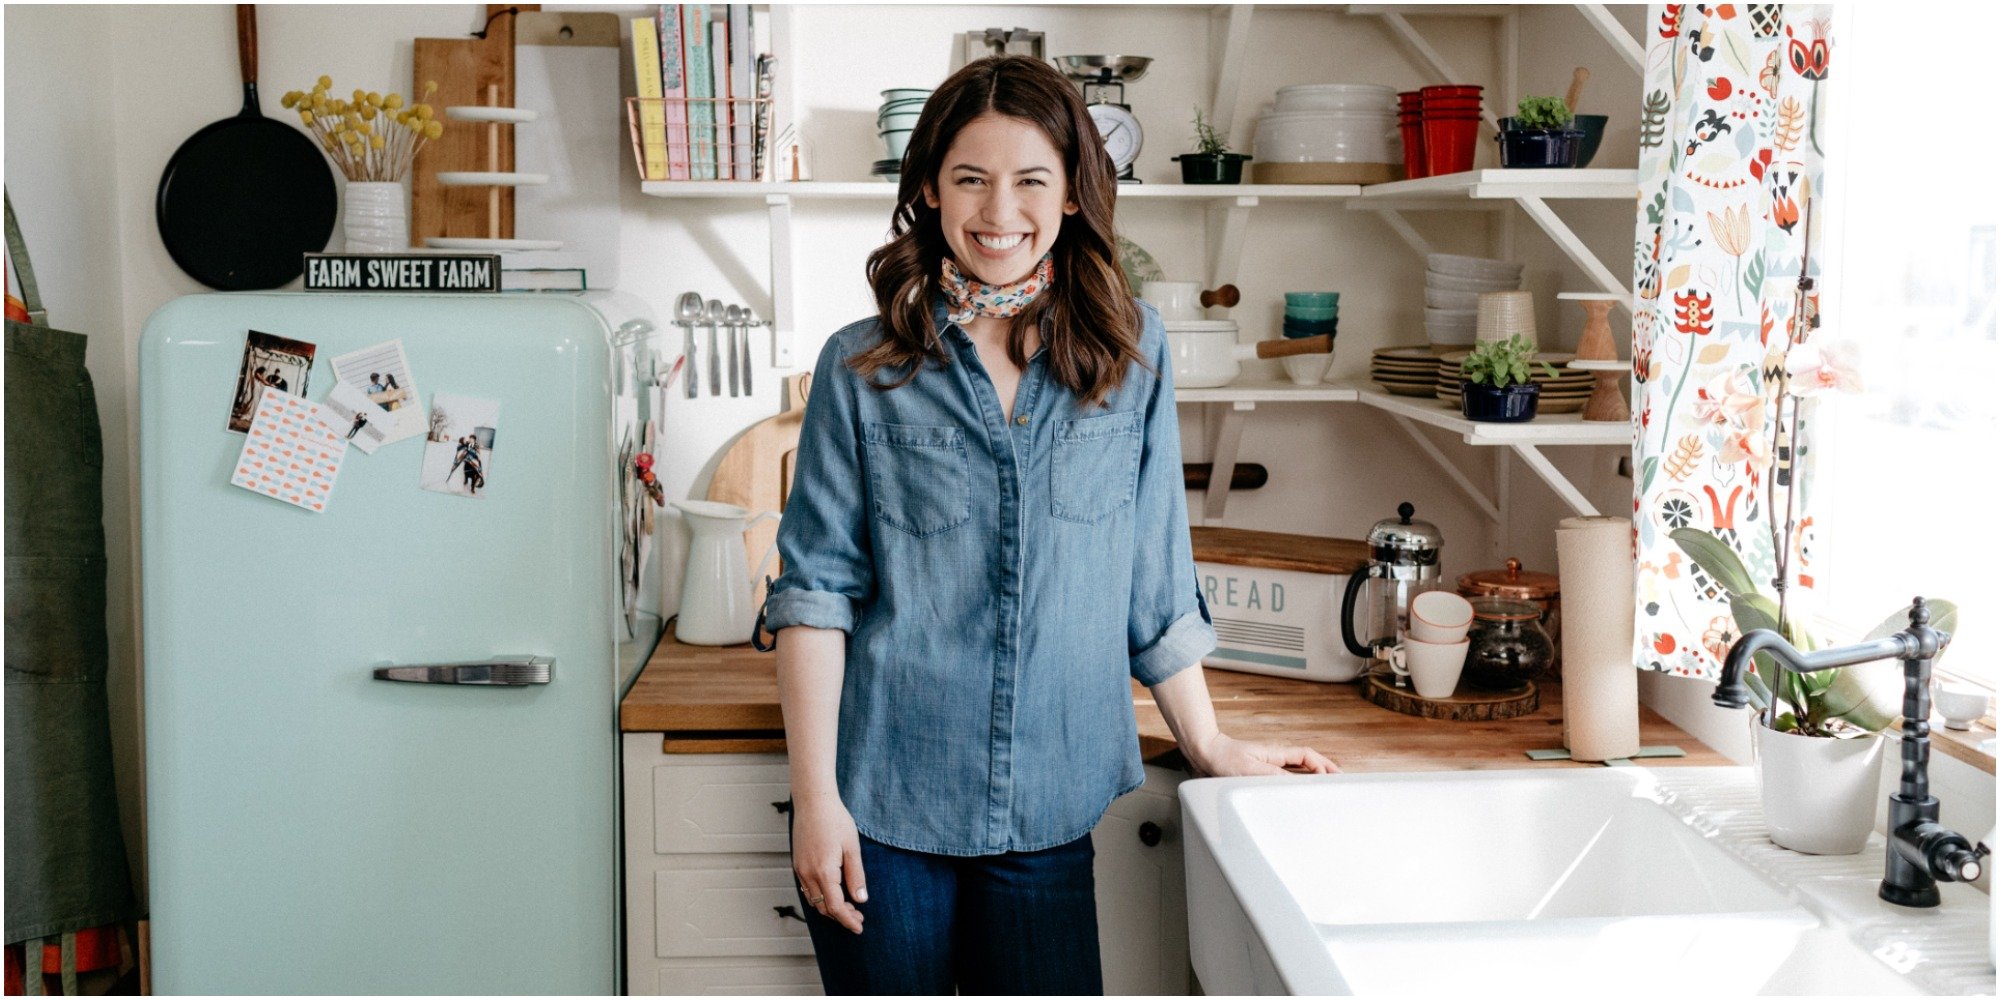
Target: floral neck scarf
(971,297)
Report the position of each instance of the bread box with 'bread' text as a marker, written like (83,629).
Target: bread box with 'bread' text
(1275,600)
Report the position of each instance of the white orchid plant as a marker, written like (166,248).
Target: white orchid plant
(1845,703)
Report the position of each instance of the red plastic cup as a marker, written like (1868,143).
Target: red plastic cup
(1451,90)
(1449,144)
(1413,149)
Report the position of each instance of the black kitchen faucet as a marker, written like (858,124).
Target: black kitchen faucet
(1921,852)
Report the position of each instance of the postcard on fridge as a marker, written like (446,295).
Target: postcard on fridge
(382,373)
(291,454)
(269,361)
(458,451)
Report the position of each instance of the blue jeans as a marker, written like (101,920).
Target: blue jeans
(1024,922)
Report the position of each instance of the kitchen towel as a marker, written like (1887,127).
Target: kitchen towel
(1600,688)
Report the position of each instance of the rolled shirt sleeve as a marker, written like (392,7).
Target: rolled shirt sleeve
(823,538)
(1169,626)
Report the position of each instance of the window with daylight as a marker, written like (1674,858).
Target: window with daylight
(1906,470)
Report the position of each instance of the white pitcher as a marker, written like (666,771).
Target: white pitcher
(716,591)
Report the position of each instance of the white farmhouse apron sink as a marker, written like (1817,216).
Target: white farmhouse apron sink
(1554,880)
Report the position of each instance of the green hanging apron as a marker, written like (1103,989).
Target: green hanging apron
(65,855)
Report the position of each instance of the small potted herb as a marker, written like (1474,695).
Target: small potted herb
(1212,162)
(1542,133)
(1495,385)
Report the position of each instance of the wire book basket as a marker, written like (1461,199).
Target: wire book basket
(700,138)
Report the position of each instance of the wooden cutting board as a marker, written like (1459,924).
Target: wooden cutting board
(756,473)
(477,71)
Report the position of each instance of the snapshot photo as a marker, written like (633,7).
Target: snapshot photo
(382,374)
(350,415)
(458,450)
(268,362)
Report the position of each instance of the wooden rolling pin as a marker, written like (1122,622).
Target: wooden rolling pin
(1576,82)
(1287,346)
(1248,475)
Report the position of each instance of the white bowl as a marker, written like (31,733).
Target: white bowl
(1448,337)
(1455,283)
(1473,267)
(1335,96)
(1468,318)
(1445,298)
(1317,138)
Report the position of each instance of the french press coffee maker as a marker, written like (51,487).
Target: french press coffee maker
(1403,563)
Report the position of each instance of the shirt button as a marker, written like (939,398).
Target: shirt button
(1022,420)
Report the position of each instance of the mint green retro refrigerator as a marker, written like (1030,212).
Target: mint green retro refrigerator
(326,813)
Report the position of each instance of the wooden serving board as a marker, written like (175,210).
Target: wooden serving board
(477,71)
(756,472)
(1469,706)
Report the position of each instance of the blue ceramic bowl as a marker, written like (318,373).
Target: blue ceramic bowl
(1313,325)
(1322,300)
(1311,312)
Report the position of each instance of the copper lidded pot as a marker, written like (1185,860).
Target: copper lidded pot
(1543,590)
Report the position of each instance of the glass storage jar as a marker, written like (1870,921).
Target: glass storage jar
(1509,645)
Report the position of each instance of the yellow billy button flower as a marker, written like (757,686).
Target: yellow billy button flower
(429,87)
(306,116)
(325,82)
(367,112)
(424,112)
(360,95)
(393,101)
(290,99)
(433,129)
(376,142)
(375,98)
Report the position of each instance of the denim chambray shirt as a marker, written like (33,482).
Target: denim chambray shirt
(1000,582)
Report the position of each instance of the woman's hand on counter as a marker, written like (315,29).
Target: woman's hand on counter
(1224,756)
(1184,702)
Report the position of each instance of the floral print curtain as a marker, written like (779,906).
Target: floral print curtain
(1730,164)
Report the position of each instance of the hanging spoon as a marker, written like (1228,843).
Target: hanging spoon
(687,312)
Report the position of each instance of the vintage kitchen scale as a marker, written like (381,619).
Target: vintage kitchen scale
(1103,79)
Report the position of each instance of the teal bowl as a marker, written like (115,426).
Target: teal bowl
(1308,313)
(1322,300)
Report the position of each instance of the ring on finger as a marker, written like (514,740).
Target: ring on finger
(815,900)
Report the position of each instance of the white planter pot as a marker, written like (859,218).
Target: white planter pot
(1819,794)
(377,220)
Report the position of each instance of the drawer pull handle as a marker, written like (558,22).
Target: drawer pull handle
(783,807)
(787,911)
(1149,833)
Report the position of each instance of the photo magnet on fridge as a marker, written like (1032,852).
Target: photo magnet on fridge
(382,374)
(458,450)
(359,422)
(277,362)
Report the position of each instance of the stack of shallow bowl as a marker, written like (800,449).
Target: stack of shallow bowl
(1452,285)
(1565,393)
(1328,133)
(893,122)
(1405,371)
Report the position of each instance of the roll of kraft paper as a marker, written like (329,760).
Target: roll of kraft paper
(1600,683)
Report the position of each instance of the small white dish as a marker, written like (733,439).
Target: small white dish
(1960,704)
(477,113)
(496,178)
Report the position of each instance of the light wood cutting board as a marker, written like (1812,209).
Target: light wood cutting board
(756,473)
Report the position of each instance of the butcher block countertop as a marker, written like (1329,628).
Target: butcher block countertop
(724,699)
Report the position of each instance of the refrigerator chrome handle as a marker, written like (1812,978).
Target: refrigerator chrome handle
(494,671)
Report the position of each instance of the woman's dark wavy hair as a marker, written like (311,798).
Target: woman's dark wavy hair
(1088,319)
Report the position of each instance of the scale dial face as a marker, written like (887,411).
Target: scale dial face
(1121,132)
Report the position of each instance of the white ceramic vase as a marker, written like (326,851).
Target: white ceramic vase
(1819,794)
(715,607)
(378,219)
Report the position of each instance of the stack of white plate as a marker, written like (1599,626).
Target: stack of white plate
(1452,285)
(1330,123)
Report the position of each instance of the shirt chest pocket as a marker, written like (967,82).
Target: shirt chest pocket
(1095,467)
(917,476)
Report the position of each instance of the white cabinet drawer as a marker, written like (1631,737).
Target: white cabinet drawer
(728,911)
(721,808)
(740,977)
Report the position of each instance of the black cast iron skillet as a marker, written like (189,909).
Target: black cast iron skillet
(246,197)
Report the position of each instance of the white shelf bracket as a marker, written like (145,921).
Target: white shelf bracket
(1222,459)
(1432,60)
(784,304)
(1566,240)
(1229,76)
(1451,469)
(1556,480)
(1621,40)
(1228,226)
(1406,231)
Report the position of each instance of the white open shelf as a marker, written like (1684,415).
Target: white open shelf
(885,191)
(1477,185)
(1268,391)
(1553,428)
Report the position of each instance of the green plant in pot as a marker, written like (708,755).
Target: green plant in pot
(1211,162)
(1496,382)
(1542,133)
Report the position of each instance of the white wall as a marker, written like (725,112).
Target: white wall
(99,97)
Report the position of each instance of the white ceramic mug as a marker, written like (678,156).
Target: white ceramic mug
(1439,616)
(1176,300)
(1432,667)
